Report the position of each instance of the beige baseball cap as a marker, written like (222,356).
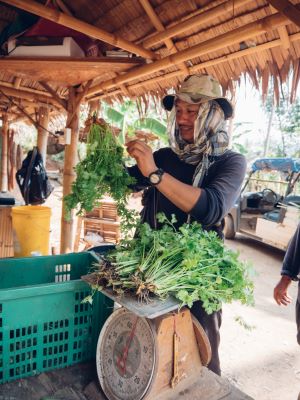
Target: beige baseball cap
(196,89)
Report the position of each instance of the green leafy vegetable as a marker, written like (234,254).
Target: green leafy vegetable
(190,264)
(101,173)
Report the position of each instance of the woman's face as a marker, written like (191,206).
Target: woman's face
(186,115)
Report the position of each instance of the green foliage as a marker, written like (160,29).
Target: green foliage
(287,120)
(153,125)
(190,264)
(126,116)
(101,173)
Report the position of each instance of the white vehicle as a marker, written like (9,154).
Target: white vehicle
(266,215)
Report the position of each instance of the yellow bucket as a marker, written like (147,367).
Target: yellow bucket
(31,229)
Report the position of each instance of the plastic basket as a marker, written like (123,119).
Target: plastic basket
(43,323)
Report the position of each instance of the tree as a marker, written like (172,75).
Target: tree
(286,120)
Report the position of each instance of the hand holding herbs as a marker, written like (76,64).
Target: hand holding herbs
(100,173)
(190,264)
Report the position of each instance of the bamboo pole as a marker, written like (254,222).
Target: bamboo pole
(284,36)
(22,94)
(55,96)
(80,26)
(16,85)
(4,156)
(216,61)
(194,22)
(286,8)
(227,39)
(17,82)
(69,175)
(42,138)
(159,26)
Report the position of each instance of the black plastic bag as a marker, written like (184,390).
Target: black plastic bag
(33,180)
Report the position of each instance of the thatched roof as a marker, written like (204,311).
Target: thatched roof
(157,43)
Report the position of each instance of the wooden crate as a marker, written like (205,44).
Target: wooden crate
(6,233)
(104,221)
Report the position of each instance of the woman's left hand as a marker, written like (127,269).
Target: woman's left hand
(143,155)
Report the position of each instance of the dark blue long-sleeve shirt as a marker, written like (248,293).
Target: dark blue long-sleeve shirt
(291,262)
(220,187)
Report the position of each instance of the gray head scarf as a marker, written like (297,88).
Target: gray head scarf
(210,138)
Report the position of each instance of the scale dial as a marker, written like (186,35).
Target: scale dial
(126,356)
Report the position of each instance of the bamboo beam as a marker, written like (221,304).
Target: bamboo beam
(80,26)
(63,7)
(21,94)
(194,22)
(286,8)
(4,155)
(17,82)
(69,175)
(216,61)
(42,138)
(227,39)
(54,95)
(24,88)
(159,26)
(284,37)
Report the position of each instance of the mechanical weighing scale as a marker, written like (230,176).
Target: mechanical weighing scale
(155,352)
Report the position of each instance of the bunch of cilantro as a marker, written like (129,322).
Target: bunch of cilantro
(101,173)
(190,264)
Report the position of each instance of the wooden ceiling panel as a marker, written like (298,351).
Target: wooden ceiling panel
(64,70)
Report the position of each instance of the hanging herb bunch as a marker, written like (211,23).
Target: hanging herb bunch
(101,173)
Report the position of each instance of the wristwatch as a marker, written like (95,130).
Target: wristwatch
(156,176)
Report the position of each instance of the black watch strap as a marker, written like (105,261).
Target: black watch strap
(156,176)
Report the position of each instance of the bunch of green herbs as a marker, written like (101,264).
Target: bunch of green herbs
(190,264)
(101,173)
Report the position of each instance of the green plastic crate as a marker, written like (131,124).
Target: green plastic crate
(43,323)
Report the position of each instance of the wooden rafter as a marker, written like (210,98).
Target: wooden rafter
(80,26)
(67,71)
(17,82)
(21,94)
(63,7)
(216,61)
(21,109)
(24,88)
(53,93)
(286,8)
(159,26)
(284,36)
(194,22)
(228,39)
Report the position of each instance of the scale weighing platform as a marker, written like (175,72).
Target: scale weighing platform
(155,352)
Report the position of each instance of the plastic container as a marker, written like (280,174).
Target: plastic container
(31,228)
(43,323)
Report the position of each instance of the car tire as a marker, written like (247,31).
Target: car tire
(229,231)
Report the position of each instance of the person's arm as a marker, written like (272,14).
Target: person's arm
(182,195)
(220,193)
(290,270)
(280,293)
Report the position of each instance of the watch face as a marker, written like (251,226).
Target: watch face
(154,178)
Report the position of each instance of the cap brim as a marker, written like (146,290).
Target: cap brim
(168,102)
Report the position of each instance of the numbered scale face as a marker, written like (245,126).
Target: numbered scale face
(126,356)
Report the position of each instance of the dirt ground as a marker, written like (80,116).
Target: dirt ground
(263,362)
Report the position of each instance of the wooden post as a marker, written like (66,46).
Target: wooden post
(4,151)
(42,138)
(69,175)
